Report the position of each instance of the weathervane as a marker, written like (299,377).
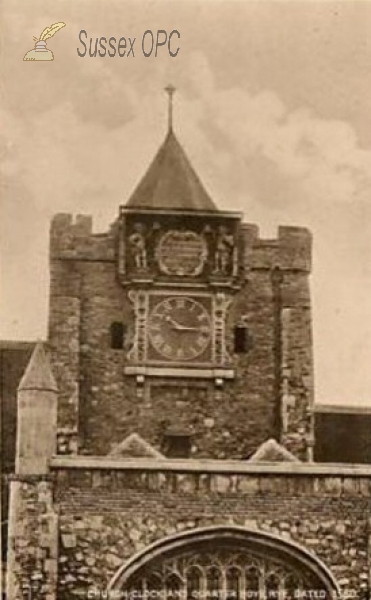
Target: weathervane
(170,89)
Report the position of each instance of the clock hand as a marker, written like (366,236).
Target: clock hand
(175,325)
(178,327)
(186,328)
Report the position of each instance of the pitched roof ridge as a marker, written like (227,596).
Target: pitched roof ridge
(16,344)
(273,451)
(130,441)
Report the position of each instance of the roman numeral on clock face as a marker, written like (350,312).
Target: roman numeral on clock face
(158,340)
(179,328)
(180,303)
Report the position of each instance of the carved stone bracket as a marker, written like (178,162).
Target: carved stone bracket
(138,352)
(121,250)
(220,306)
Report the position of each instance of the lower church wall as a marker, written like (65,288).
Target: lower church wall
(33,540)
(107,516)
(71,531)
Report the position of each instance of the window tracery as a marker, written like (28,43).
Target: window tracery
(224,573)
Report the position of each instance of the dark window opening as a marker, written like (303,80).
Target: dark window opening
(177,444)
(242,340)
(117,335)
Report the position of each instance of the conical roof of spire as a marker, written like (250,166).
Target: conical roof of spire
(38,374)
(171,182)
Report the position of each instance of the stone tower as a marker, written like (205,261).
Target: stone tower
(179,333)
(180,324)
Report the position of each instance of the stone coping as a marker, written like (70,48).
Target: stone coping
(218,214)
(209,466)
(16,344)
(357,409)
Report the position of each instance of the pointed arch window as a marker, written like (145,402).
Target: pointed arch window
(252,582)
(194,578)
(272,587)
(234,583)
(228,570)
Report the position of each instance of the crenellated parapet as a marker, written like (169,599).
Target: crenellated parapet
(65,230)
(290,250)
(73,238)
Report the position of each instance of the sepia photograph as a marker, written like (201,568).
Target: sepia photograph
(185,314)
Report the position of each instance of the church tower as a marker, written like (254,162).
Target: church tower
(178,334)
(180,325)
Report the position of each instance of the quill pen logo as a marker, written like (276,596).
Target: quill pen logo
(40,52)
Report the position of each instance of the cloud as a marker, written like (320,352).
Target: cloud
(283,166)
(321,156)
(83,147)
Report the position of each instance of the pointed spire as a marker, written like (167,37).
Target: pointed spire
(171,182)
(38,374)
(170,89)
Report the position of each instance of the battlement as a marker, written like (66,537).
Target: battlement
(290,250)
(72,237)
(66,224)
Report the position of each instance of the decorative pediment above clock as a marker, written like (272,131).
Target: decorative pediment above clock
(177,248)
(181,253)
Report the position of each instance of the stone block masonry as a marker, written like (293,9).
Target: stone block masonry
(108,512)
(73,530)
(33,539)
(270,396)
(85,501)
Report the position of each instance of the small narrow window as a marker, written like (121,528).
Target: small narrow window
(242,341)
(117,335)
(177,444)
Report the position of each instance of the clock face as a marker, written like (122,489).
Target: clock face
(179,328)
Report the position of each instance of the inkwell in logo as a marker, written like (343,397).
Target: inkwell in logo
(40,52)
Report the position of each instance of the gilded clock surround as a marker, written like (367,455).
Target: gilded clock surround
(179,328)
(212,361)
(178,267)
(167,246)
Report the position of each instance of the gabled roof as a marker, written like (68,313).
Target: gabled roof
(171,182)
(38,374)
(272,451)
(134,446)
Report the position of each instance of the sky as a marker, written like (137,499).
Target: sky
(272,107)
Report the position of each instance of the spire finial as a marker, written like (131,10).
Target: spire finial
(170,89)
